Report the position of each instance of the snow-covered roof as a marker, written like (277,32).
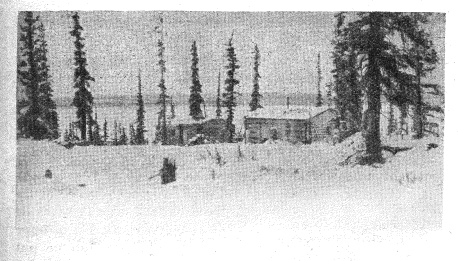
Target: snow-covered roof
(186,119)
(300,113)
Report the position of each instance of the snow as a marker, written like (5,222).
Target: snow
(262,201)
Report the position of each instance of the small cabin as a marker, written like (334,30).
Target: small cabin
(304,125)
(180,131)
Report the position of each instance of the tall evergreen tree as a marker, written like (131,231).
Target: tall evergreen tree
(115,133)
(383,66)
(161,134)
(195,98)
(83,99)
(419,54)
(347,87)
(319,97)
(218,97)
(255,95)
(329,93)
(47,104)
(140,131)
(97,139)
(123,137)
(172,108)
(37,116)
(105,131)
(132,135)
(229,96)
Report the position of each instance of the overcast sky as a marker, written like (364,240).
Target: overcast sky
(118,44)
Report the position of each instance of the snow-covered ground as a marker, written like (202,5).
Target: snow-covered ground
(275,201)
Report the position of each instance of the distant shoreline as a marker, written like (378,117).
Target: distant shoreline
(268,99)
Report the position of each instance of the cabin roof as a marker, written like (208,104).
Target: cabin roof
(303,113)
(188,120)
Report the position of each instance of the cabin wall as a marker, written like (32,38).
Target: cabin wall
(322,125)
(259,130)
(214,130)
(317,128)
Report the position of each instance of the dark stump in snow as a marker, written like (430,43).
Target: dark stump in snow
(48,174)
(168,171)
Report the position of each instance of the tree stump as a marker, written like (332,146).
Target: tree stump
(48,174)
(168,171)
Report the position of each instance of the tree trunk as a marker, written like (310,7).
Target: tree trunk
(418,110)
(83,127)
(89,125)
(372,125)
(403,124)
(164,121)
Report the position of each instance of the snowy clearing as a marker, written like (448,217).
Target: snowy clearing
(271,201)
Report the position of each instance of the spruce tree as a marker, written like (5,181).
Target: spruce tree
(319,97)
(140,131)
(123,137)
(229,96)
(384,68)
(115,133)
(347,87)
(48,112)
(83,99)
(37,116)
(172,108)
(195,98)
(329,93)
(105,131)
(97,139)
(161,134)
(420,55)
(132,135)
(255,95)
(218,97)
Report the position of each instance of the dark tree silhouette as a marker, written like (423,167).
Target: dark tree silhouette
(255,95)
(195,98)
(229,96)
(383,68)
(140,131)
(319,97)
(83,99)
(161,134)
(218,97)
(37,116)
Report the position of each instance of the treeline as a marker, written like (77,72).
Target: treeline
(117,135)
(37,117)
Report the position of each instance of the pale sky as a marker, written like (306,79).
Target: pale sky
(118,44)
